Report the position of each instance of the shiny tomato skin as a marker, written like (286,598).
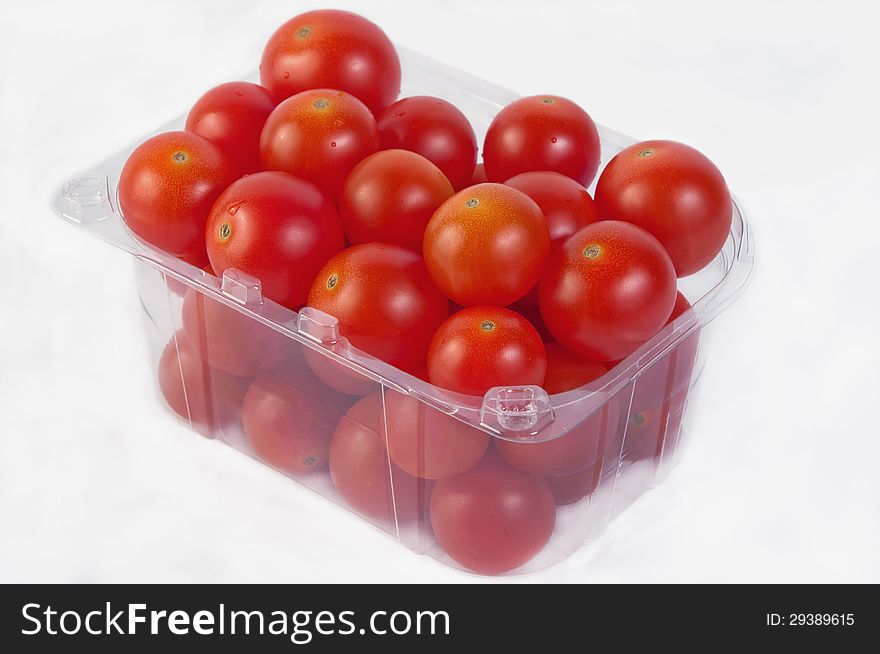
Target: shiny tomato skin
(674,192)
(571,488)
(428,443)
(542,132)
(384,300)
(390,196)
(492,518)
(332,49)
(276,227)
(320,136)
(337,376)
(566,204)
(362,473)
(231,116)
(487,245)
(435,129)
(207,398)
(481,347)
(584,444)
(166,190)
(612,288)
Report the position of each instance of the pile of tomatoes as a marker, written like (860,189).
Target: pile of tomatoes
(337,195)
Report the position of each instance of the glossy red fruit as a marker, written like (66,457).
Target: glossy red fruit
(542,132)
(362,473)
(428,443)
(571,488)
(567,370)
(610,290)
(276,228)
(481,347)
(231,116)
(492,518)
(335,49)
(566,204)
(674,192)
(390,196)
(434,128)
(166,190)
(320,136)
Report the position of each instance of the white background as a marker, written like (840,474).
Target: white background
(780,482)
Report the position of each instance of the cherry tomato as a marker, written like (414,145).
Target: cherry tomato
(566,205)
(542,132)
(584,444)
(611,289)
(390,196)
(428,443)
(231,116)
(481,347)
(479,176)
(487,244)
(228,339)
(492,518)
(435,129)
(571,488)
(337,376)
(675,193)
(166,189)
(384,300)
(208,399)
(277,228)
(319,135)
(362,473)
(332,49)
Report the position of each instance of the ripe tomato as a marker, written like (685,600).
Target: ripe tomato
(362,473)
(481,347)
(384,300)
(208,399)
(319,135)
(227,339)
(332,49)
(571,488)
(609,291)
(231,116)
(542,132)
(435,129)
(428,443)
(675,193)
(390,196)
(492,518)
(584,444)
(566,205)
(487,244)
(337,376)
(166,189)
(277,228)
(287,427)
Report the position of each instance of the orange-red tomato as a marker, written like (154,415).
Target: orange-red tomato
(166,189)
(320,136)
(487,244)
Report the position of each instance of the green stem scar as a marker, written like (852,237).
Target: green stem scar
(225,232)
(332,281)
(473,202)
(592,251)
(179,157)
(320,103)
(647,152)
(487,326)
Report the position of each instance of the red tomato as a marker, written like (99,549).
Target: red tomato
(435,129)
(675,193)
(332,49)
(481,347)
(228,339)
(337,376)
(384,300)
(612,288)
(319,135)
(479,176)
(566,205)
(428,443)
(277,228)
(206,398)
(542,132)
(362,473)
(571,488)
(584,444)
(390,196)
(287,427)
(487,244)
(166,189)
(231,116)
(492,518)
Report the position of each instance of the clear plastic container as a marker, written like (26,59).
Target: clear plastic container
(221,351)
